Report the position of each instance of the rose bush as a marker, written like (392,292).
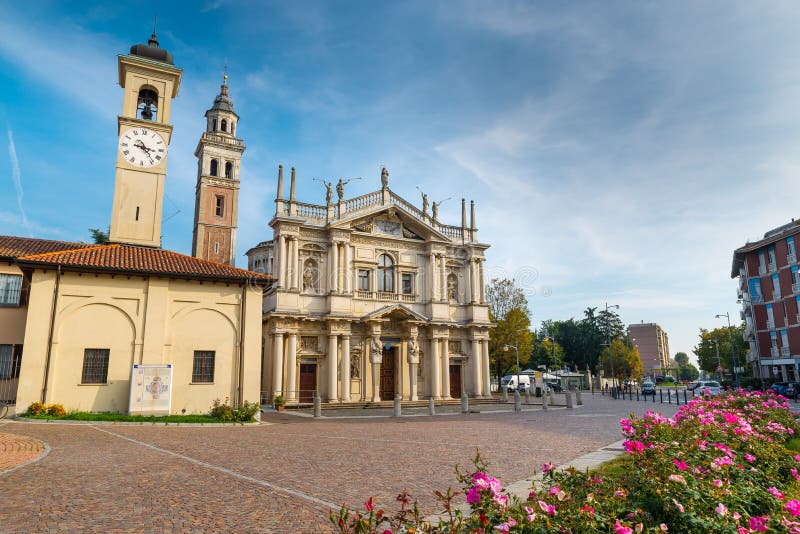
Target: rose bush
(719,465)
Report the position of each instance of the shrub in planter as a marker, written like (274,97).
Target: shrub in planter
(56,410)
(36,408)
(222,410)
(279,402)
(240,414)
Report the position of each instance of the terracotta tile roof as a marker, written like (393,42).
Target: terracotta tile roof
(14,247)
(121,258)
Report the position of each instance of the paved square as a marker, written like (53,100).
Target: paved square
(280,476)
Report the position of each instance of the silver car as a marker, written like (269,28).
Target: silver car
(708,387)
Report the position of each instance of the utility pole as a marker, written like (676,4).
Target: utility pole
(610,348)
(719,362)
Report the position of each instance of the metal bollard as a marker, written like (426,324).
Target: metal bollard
(552,398)
(431,407)
(578,398)
(637,395)
(527,395)
(669,396)
(505,393)
(517,401)
(317,406)
(684,397)
(397,408)
(464,403)
(661,396)
(568,398)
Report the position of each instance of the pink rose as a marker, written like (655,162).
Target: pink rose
(793,507)
(758,524)
(619,528)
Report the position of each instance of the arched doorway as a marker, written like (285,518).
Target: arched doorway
(387,374)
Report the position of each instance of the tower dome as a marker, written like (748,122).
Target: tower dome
(152,51)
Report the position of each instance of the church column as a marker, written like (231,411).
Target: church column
(475,358)
(333,254)
(375,357)
(291,368)
(340,282)
(277,365)
(293,262)
(431,285)
(445,368)
(436,386)
(442,278)
(348,268)
(282,262)
(345,371)
(470,281)
(298,269)
(486,390)
(481,285)
(333,364)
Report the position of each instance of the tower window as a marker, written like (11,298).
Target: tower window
(214,125)
(224,125)
(228,169)
(214,165)
(147,105)
(216,247)
(219,208)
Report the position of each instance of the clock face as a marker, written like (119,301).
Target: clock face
(142,147)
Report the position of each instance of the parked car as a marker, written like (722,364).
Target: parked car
(669,378)
(648,388)
(708,387)
(792,390)
(779,387)
(659,379)
(692,385)
(555,386)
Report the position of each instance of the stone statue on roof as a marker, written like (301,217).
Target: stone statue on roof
(385,177)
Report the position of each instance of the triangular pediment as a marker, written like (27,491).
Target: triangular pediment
(391,221)
(396,311)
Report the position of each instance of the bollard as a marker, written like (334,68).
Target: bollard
(568,398)
(578,399)
(660,396)
(431,407)
(505,393)
(684,397)
(637,395)
(527,395)
(397,408)
(669,396)
(552,398)
(317,406)
(464,403)
(517,401)
(544,401)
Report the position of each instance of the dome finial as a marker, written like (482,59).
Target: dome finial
(153,41)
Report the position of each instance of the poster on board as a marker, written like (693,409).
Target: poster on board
(151,390)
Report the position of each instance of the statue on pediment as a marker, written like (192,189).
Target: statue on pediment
(384,177)
(340,187)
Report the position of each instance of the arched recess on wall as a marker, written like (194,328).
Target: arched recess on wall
(74,308)
(214,170)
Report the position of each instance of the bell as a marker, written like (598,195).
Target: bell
(147,113)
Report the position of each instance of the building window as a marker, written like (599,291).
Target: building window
(214,167)
(95,366)
(771,253)
(228,169)
(776,287)
(363,280)
(790,248)
(216,247)
(6,370)
(10,289)
(224,125)
(385,273)
(203,367)
(219,206)
(408,283)
(214,125)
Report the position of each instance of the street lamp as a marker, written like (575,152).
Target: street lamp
(516,350)
(733,350)
(719,362)
(610,348)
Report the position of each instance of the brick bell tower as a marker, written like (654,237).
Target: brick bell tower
(219,153)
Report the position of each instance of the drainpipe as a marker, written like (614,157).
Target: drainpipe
(241,346)
(50,334)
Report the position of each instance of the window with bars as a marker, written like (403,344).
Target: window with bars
(10,289)
(95,366)
(203,368)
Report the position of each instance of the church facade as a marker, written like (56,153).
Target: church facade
(376,299)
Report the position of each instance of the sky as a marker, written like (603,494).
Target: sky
(617,152)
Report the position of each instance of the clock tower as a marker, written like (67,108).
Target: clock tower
(150,81)
(218,153)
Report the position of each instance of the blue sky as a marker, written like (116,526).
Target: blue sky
(616,151)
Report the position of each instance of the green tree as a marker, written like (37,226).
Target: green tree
(99,237)
(503,295)
(513,330)
(706,348)
(627,362)
(543,354)
(688,372)
(682,358)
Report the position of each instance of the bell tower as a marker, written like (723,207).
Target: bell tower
(150,82)
(219,153)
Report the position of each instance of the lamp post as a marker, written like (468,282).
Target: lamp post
(719,362)
(610,348)
(733,349)
(516,350)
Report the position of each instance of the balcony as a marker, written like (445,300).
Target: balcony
(762,270)
(791,258)
(770,324)
(386,297)
(784,352)
(773,352)
(757,298)
(771,267)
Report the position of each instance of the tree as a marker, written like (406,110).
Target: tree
(513,330)
(503,296)
(688,372)
(99,237)
(706,349)
(681,358)
(508,307)
(627,362)
(543,354)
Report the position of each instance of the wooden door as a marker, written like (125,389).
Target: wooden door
(387,375)
(308,381)
(455,381)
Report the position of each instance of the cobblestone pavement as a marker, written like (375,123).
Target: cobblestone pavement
(16,450)
(280,476)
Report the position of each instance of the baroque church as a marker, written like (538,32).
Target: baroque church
(359,300)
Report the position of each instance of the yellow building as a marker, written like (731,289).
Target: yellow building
(90,317)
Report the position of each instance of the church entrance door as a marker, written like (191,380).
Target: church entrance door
(387,374)
(455,381)
(308,381)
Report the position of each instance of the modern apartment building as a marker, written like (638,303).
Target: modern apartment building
(769,290)
(653,345)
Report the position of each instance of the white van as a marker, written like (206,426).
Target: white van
(510,381)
